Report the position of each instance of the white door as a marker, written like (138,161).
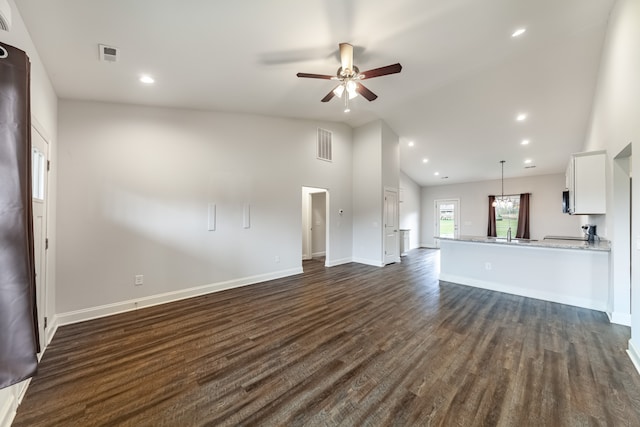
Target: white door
(447,218)
(318,224)
(306,224)
(39,160)
(391,225)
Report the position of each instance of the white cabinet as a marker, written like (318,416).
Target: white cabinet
(586,181)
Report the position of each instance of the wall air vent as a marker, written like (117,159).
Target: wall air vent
(5,15)
(109,53)
(324,145)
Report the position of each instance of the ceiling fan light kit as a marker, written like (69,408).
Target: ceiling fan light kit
(349,77)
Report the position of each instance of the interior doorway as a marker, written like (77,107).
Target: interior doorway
(447,219)
(391,226)
(315,223)
(40,196)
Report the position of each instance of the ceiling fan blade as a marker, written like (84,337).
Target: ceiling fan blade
(382,71)
(329,96)
(346,57)
(370,96)
(315,76)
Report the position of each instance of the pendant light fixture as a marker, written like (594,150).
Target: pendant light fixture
(502,203)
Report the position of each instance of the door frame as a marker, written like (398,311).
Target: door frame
(396,226)
(42,301)
(436,219)
(307,221)
(619,304)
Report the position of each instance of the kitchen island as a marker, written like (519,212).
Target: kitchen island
(570,272)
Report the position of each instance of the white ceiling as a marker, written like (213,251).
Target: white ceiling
(464,77)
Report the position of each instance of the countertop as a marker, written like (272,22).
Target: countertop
(601,245)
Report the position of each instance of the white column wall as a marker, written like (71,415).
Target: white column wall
(367,194)
(613,126)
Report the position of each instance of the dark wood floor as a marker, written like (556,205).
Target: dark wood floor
(350,345)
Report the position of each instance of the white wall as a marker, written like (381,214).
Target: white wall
(367,193)
(44,115)
(546,206)
(135,183)
(390,181)
(410,209)
(376,165)
(614,125)
(390,158)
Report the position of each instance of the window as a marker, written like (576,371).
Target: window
(507,216)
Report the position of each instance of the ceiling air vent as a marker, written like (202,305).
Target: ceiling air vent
(109,53)
(324,145)
(4,25)
(5,15)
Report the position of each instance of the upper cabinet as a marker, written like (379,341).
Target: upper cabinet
(586,181)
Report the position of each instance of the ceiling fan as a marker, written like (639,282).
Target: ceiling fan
(349,77)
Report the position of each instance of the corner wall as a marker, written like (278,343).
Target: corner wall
(44,113)
(614,126)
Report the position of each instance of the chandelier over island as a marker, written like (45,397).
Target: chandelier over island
(502,202)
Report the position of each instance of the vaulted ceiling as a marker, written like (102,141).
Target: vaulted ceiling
(464,78)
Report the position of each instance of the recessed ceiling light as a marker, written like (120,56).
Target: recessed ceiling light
(425,160)
(527,161)
(525,142)
(147,79)
(436,173)
(521,117)
(518,32)
(411,144)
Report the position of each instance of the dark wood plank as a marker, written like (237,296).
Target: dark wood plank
(350,345)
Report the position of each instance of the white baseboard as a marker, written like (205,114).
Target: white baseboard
(7,407)
(620,318)
(10,398)
(634,355)
(317,254)
(334,262)
(52,328)
(529,293)
(134,304)
(373,262)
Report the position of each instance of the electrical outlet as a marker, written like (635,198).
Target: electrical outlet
(277,259)
(139,280)
(487,266)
